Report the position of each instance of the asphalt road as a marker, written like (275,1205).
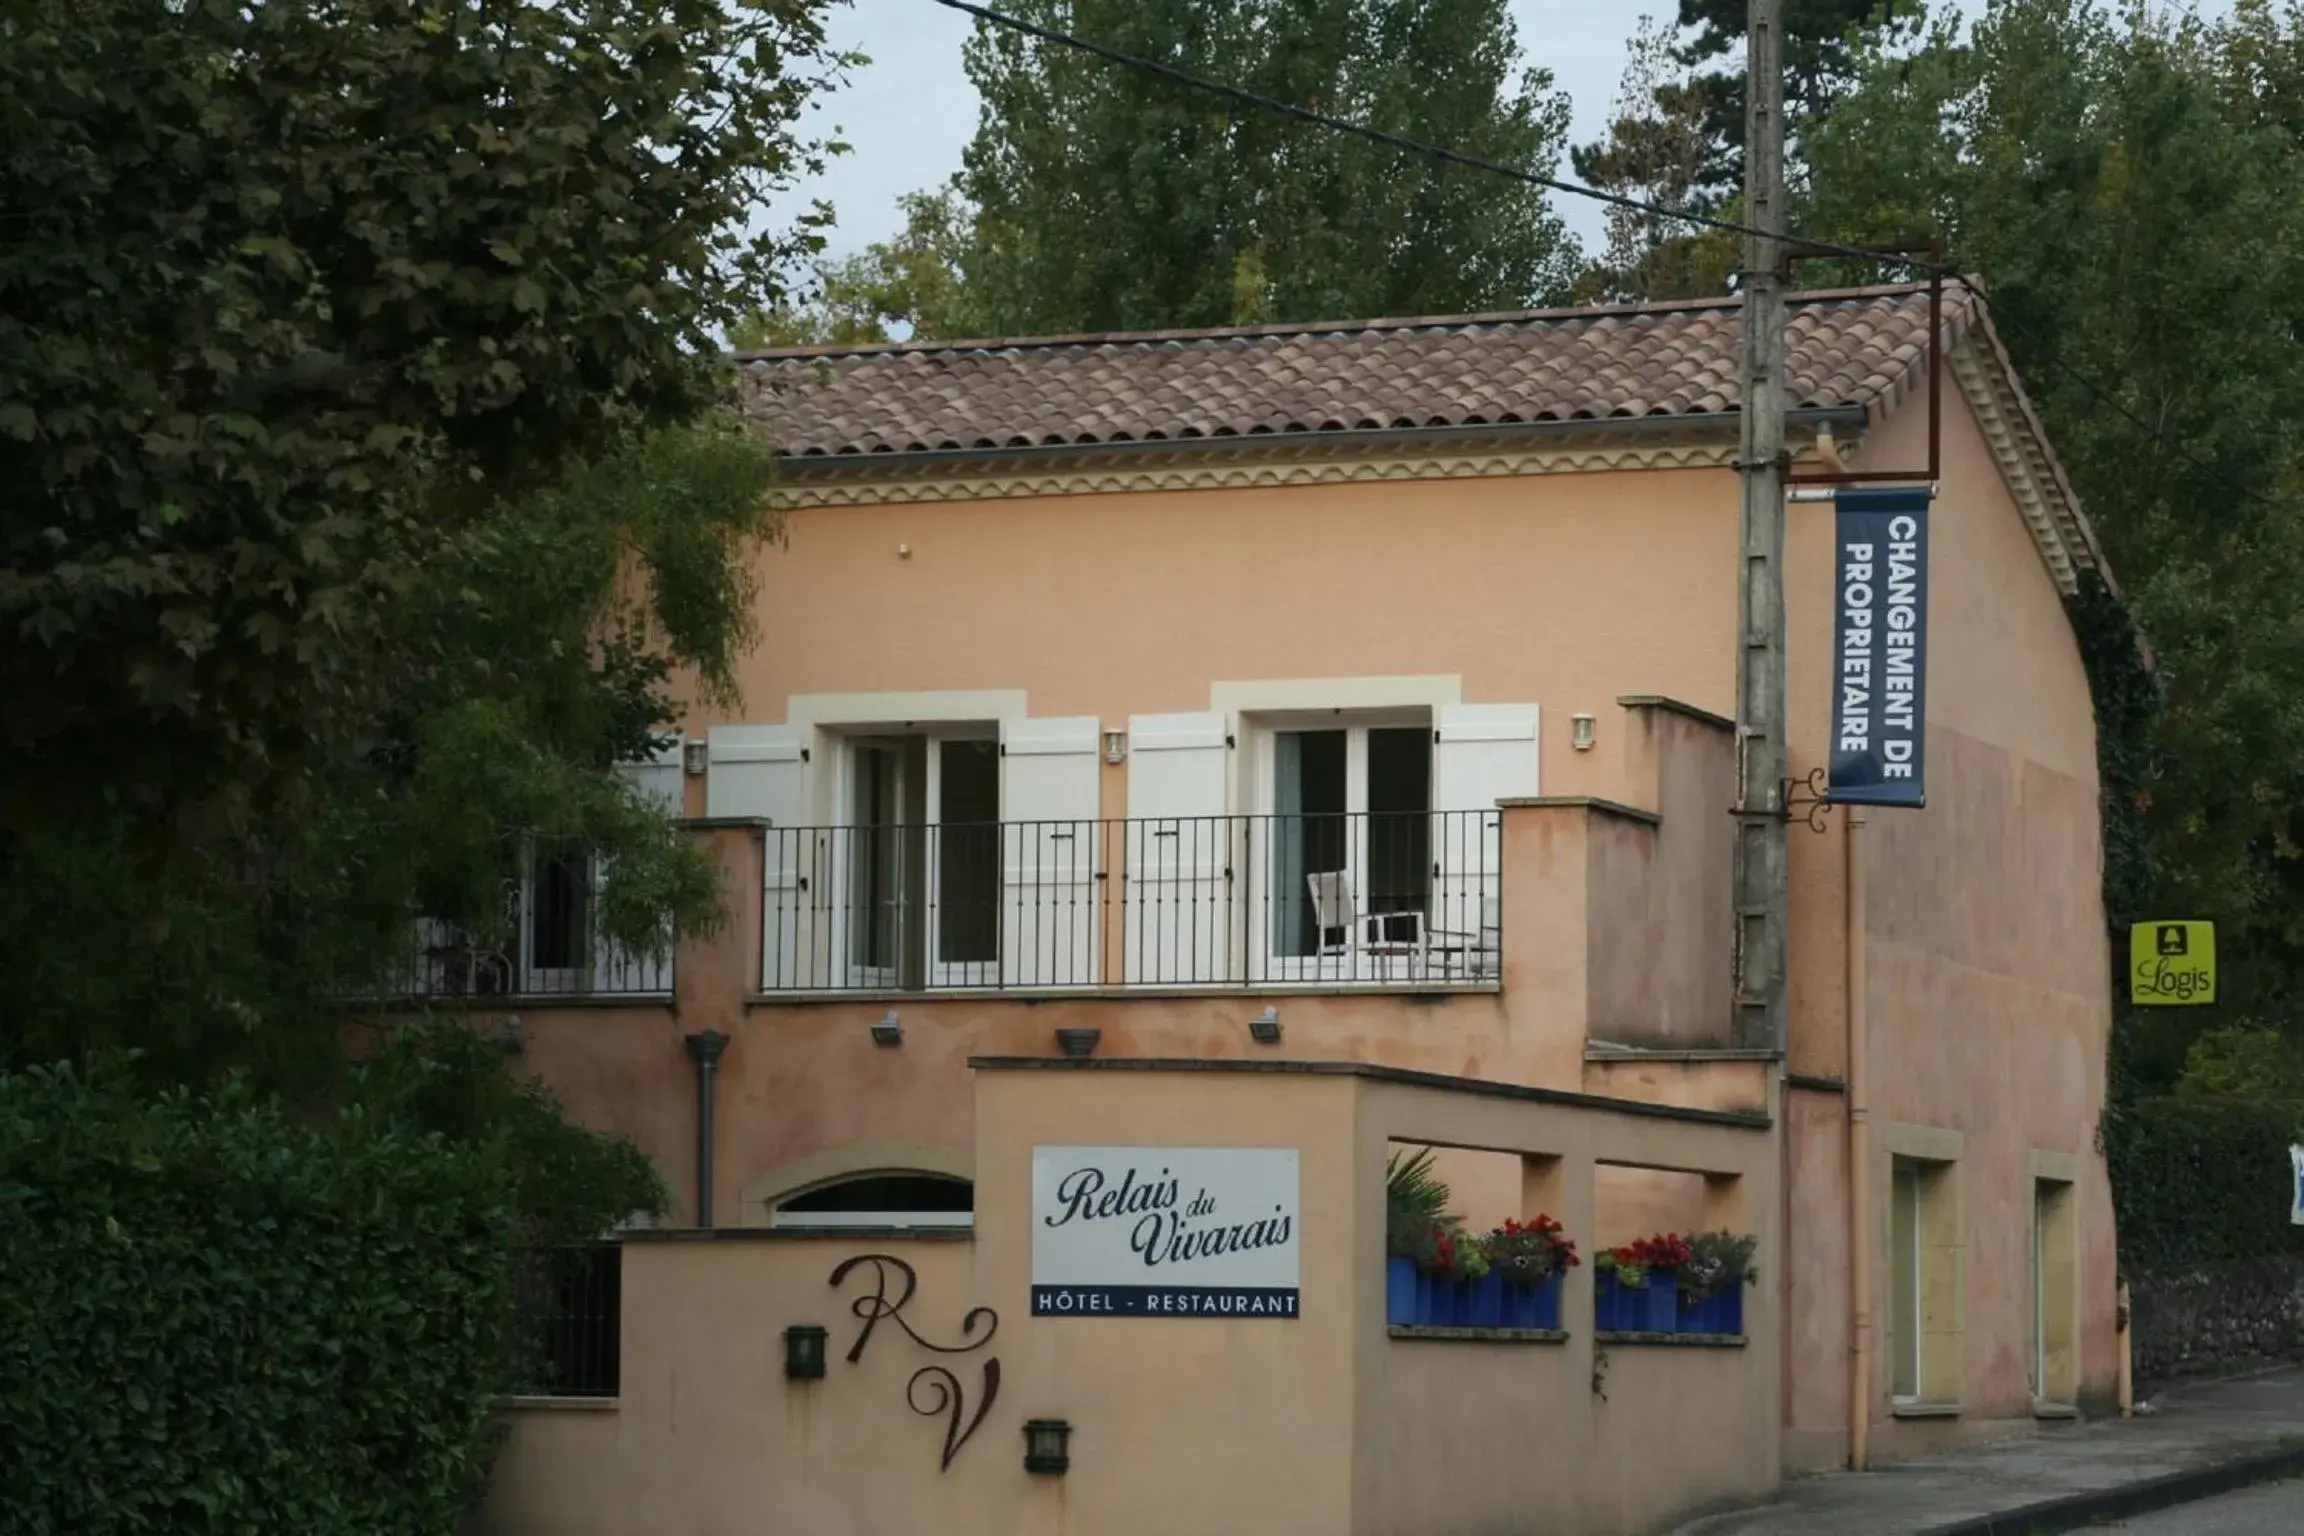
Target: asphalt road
(2276,1509)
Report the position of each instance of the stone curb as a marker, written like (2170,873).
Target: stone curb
(2072,1511)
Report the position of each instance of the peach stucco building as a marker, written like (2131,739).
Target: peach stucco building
(1304,742)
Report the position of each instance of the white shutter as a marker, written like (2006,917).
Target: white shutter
(657,780)
(755,770)
(1049,912)
(1481,753)
(761,770)
(1176,916)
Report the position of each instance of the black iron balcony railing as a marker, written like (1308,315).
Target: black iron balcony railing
(1375,899)
(547,944)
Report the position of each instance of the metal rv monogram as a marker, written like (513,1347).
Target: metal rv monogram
(950,1400)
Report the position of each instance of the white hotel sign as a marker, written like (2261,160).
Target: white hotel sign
(1164,1232)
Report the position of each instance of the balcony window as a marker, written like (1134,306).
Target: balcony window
(556,921)
(922,861)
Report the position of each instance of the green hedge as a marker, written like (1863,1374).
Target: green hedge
(215,1319)
(2196,1183)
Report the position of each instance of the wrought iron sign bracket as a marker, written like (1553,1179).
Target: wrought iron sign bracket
(1808,800)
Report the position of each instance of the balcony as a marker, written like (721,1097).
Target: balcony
(548,945)
(1379,901)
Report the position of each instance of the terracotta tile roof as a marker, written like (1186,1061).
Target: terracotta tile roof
(1848,350)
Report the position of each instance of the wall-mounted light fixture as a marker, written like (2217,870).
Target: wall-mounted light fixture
(1115,746)
(1580,730)
(695,756)
(511,1036)
(889,1030)
(1079,1042)
(1264,1029)
(803,1352)
(1047,1446)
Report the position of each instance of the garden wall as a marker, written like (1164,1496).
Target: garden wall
(2216,1271)
(1326,1422)
(2216,1319)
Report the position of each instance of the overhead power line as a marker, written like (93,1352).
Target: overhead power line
(1440,153)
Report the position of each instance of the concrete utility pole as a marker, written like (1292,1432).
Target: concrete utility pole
(1760,880)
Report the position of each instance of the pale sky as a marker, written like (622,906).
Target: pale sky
(909,112)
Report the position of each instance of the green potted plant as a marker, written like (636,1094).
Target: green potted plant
(1618,1278)
(1479,1293)
(1637,1288)
(1415,1203)
(1530,1258)
(1712,1282)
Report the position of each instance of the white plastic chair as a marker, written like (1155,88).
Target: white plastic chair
(1336,911)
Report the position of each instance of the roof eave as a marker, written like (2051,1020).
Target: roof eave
(1694,424)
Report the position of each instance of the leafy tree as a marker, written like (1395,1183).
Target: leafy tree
(912,281)
(1676,137)
(2243,1063)
(1107,198)
(1659,150)
(367,506)
(2129,188)
(1822,43)
(292,293)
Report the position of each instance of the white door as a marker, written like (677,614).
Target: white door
(1481,753)
(1180,921)
(1050,907)
(760,771)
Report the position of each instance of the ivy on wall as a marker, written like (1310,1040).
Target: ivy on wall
(2192,1182)
(2196,1184)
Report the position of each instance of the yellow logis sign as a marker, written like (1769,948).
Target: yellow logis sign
(2172,965)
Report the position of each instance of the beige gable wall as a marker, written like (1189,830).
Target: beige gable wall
(1989,987)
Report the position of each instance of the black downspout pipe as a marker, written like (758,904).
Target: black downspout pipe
(704,1050)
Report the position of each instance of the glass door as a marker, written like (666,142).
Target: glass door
(886,824)
(1346,869)
(556,923)
(1310,858)
(964,862)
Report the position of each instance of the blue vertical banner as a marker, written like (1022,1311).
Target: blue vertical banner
(1880,649)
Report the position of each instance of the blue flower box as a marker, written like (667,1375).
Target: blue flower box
(1659,1309)
(1435,1301)
(1399,1292)
(1414,1299)
(1722,1312)
(1484,1301)
(1653,1306)
(1533,1306)
(1612,1304)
